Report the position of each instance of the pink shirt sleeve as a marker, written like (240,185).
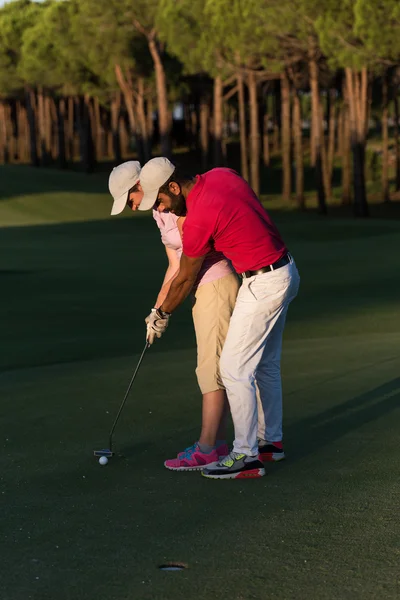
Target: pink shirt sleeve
(196,239)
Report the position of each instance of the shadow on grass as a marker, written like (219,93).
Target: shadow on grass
(308,436)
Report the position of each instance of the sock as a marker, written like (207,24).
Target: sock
(205,448)
(276,444)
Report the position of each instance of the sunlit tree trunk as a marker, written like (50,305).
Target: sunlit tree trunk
(164,120)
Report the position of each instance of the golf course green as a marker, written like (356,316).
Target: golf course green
(76,286)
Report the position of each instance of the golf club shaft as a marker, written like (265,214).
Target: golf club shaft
(147,345)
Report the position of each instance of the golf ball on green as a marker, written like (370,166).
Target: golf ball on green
(103,460)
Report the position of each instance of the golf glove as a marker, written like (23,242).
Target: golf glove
(157,323)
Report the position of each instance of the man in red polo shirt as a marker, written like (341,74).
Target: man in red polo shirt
(223,213)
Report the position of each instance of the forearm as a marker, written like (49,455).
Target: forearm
(165,289)
(178,292)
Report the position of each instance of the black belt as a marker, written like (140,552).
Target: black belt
(276,265)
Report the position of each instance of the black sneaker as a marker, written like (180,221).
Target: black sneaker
(235,466)
(270,452)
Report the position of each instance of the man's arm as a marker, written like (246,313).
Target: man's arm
(183,283)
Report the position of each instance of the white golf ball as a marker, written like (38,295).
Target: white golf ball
(103,460)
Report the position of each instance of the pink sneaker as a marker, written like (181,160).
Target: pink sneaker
(220,450)
(191,460)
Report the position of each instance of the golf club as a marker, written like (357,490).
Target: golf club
(108,452)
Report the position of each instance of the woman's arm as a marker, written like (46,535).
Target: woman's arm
(179,224)
(170,274)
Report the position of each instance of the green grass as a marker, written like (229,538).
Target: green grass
(322,525)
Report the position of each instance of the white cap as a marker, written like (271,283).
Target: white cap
(153,175)
(121,180)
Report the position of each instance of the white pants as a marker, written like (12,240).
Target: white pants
(252,353)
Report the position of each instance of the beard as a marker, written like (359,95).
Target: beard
(178,205)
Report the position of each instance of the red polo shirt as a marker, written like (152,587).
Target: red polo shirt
(223,213)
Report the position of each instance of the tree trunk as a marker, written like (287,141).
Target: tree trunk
(277,117)
(385,142)
(20,126)
(70,130)
(61,112)
(162,100)
(54,127)
(48,125)
(254,133)
(266,153)
(115,112)
(98,129)
(286,138)
(317,134)
(345,155)
(339,146)
(150,122)
(21,132)
(357,84)
(314,130)
(218,121)
(26,155)
(244,155)
(3,135)
(225,117)
(109,142)
(191,113)
(85,134)
(12,112)
(331,135)
(41,127)
(204,130)
(141,113)
(298,151)
(31,110)
(397,137)
(92,128)
(326,173)
(126,88)
(123,136)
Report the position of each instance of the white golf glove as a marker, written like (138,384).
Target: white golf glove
(157,323)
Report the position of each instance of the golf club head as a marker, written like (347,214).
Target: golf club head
(105,452)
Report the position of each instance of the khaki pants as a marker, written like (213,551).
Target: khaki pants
(213,306)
